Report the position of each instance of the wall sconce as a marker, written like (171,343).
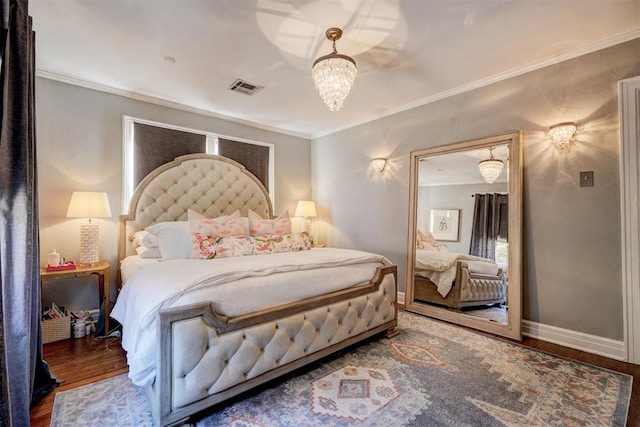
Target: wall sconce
(562,133)
(306,209)
(379,164)
(87,204)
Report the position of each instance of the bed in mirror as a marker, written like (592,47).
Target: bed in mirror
(465,225)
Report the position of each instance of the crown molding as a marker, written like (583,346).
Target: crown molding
(602,44)
(151,99)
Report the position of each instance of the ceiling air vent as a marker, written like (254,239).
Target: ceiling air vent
(241,86)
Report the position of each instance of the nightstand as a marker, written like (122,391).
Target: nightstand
(318,246)
(101,269)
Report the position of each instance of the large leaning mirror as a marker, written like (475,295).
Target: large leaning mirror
(464,254)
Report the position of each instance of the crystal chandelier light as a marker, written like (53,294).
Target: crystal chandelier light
(490,168)
(334,74)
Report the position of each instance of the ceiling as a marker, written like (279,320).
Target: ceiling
(461,167)
(408,52)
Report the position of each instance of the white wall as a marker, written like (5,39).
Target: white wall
(572,276)
(79,148)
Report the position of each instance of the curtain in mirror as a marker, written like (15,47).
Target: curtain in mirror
(490,224)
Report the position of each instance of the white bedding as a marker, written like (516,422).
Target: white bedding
(237,285)
(440,267)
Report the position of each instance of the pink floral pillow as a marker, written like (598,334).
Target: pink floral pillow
(205,230)
(225,247)
(426,237)
(259,226)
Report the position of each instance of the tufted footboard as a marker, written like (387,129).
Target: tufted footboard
(206,358)
(469,289)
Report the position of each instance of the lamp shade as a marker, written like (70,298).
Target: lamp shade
(306,208)
(89,204)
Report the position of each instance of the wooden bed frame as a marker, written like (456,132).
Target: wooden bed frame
(327,323)
(469,289)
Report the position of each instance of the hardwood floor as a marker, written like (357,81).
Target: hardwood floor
(83,360)
(78,361)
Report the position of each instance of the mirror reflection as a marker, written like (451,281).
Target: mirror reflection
(461,205)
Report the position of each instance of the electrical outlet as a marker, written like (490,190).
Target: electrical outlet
(586,179)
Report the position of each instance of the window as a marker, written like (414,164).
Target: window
(147,145)
(502,254)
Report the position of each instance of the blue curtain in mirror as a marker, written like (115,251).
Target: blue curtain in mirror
(25,377)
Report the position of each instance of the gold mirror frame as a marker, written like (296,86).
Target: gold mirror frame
(512,329)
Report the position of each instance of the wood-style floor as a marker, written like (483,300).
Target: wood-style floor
(78,361)
(82,360)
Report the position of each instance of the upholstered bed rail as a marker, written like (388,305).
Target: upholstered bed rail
(232,357)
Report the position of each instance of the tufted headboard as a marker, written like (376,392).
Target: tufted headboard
(211,185)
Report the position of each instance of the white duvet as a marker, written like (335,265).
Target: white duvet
(235,285)
(440,267)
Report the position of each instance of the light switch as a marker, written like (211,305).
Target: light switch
(586,179)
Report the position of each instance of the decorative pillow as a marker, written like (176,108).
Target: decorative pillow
(144,238)
(224,247)
(146,252)
(174,241)
(259,226)
(440,247)
(426,237)
(203,230)
(245,222)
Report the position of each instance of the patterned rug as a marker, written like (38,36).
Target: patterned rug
(432,374)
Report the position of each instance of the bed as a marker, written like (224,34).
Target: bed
(200,331)
(458,280)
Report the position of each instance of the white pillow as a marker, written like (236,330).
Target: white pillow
(174,240)
(146,252)
(146,239)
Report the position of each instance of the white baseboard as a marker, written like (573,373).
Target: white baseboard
(580,341)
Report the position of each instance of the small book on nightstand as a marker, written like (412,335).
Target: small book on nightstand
(69,265)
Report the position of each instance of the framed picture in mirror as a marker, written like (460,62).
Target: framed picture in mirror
(444,224)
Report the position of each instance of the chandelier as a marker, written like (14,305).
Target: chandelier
(490,168)
(334,74)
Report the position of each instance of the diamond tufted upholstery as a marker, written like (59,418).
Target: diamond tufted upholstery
(204,363)
(213,185)
(477,288)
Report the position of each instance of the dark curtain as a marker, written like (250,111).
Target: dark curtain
(154,146)
(25,377)
(254,157)
(490,224)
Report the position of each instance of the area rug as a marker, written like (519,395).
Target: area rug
(431,374)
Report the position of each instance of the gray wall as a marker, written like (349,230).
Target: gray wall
(572,276)
(79,148)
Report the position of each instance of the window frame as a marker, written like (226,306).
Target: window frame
(128,160)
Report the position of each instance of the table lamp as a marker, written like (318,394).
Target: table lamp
(306,209)
(88,204)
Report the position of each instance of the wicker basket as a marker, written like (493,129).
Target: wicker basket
(56,329)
